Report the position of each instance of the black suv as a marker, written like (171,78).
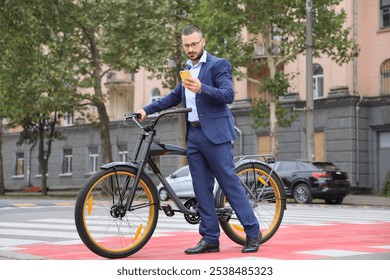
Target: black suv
(305,180)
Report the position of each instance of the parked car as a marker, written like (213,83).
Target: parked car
(305,180)
(181,182)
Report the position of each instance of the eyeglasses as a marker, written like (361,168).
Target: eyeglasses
(192,45)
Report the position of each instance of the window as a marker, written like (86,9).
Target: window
(385,13)
(384,140)
(67,161)
(319,146)
(264,145)
(385,77)
(68,119)
(182,172)
(156,94)
(19,166)
(288,166)
(93,159)
(123,156)
(318,81)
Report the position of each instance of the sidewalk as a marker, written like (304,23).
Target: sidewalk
(369,200)
(70,196)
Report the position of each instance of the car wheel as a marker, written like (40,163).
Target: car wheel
(301,193)
(163,194)
(334,200)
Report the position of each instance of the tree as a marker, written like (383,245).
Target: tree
(386,185)
(282,26)
(35,76)
(2,186)
(65,46)
(156,36)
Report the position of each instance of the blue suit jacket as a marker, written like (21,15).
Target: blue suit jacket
(217,92)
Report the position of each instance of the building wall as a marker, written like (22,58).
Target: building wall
(336,116)
(351,129)
(374,48)
(374,44)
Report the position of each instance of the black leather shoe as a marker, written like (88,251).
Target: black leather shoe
(202,247)
(252,244)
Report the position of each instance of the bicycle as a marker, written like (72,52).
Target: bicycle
(117,208)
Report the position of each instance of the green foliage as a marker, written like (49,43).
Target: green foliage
(286,19)
(283,23)
(260,112)
(222,23)
(49,50)
(36,74)
(277,86)
(386,186)
(150,32)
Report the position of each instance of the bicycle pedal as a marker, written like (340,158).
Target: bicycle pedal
(168,210)
(224,214)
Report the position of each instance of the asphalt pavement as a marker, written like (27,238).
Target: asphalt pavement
(69,196)
(66,198)
(369,200)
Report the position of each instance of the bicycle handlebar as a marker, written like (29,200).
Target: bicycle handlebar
(136,116)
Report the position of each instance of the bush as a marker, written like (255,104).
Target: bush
(386,185)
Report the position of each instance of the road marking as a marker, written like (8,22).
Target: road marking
(333,253)
(17,242)
(24,205)
(381,247)
(41,233)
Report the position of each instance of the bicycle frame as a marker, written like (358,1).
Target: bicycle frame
(124,193)
(144,149)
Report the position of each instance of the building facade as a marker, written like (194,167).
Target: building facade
(351,107)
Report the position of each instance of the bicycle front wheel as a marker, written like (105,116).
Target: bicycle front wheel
(103,223)
(266,194)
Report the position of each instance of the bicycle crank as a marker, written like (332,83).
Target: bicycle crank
(224,214)
(191,204)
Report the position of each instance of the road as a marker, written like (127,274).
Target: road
(44,229)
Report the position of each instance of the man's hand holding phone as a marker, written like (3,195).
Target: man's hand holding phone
(190,83)
(185,74)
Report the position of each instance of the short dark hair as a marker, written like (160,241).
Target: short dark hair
(192,29)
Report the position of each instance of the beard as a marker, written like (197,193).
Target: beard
(194,57)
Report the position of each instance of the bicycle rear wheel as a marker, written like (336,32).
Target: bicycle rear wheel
(267,197)
(101,222)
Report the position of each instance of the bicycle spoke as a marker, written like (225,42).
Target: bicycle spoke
(107,228)
(264,193)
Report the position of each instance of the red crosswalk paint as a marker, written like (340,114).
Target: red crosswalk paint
(291,242)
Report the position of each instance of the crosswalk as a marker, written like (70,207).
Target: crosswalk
(55,230)
(323,215)
(63,230)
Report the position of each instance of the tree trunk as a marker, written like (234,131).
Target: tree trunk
(41,157)
(2,187)
(273,121)
(104,133)
(104,120)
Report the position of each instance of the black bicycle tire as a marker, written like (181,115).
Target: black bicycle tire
(80,206)
(277,184)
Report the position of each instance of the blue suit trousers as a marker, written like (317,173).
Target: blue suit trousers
(208,161)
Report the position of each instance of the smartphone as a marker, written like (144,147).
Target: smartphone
(185,74)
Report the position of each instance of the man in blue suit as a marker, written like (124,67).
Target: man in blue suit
(210,132)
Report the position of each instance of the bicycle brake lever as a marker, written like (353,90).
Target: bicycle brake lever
(135,117)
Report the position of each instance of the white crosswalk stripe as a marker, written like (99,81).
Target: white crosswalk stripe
(36,231)
(296,214)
